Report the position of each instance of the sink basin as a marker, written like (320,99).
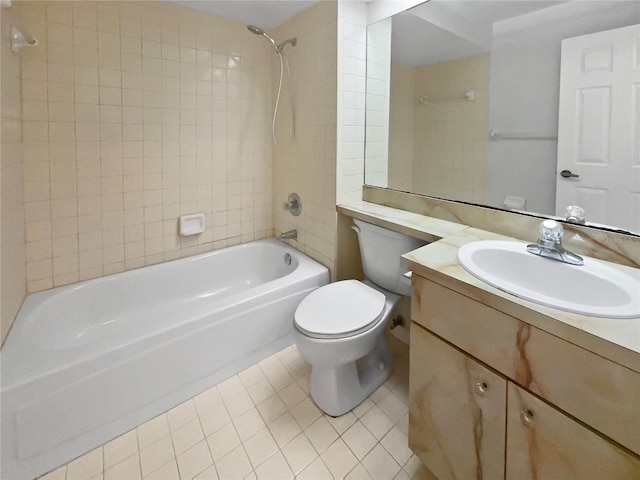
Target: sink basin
(594,288)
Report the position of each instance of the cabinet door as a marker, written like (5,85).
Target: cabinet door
(545,444)
(456,411)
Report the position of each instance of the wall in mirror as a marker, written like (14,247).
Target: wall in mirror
(464,100)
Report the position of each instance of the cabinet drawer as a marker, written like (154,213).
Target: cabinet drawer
(601,393)
(545,444)
(456,411)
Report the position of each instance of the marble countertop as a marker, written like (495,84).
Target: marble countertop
(615,339)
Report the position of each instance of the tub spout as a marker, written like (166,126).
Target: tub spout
(290,235)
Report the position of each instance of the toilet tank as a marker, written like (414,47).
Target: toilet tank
(381,250)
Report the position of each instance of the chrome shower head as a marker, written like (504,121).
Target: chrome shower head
(258,31)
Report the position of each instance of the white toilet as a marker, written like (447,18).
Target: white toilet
(338,327)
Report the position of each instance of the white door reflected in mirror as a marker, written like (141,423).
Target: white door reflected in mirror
(599,127)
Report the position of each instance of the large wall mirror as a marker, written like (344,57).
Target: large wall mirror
(529,106)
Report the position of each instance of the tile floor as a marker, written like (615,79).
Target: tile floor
(262,424)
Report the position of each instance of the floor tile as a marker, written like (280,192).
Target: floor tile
(207,400)
(122,447)
(194,460)
(272,408)
(86,466)
(263,424)
(275,467)
(152,430)
(380,463)
(359,440)
(181,415)
(260,447)
(284,429)
(239,404)
(316,470)
(376,422)
(157,454)
(280,379)
(358,473)
(397,444)
(342,423)
(270,364)
(230,387)
(233,465)
(209,473)
(260,390)
(187,436)
(251,375)
(223,441)
(306,413)
(214,419)
(169,471)
(299,453)
(339,459)
(128,468)
(392,407)
(248,424)
(321,434)
(292,395)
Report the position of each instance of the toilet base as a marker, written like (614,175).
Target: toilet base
(340,389)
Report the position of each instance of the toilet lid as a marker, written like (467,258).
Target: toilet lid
(340,309)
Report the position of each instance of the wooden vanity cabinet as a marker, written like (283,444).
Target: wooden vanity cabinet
(543,443)
(456,411)
(472,408)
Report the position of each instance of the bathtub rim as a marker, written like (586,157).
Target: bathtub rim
(33,301)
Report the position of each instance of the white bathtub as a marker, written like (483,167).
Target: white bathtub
(87,362)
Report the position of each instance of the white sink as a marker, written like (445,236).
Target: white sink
(594,288)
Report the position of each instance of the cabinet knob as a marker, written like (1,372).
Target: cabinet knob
(481,388)
(527,417)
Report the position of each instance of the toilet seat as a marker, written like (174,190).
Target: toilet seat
(338,310)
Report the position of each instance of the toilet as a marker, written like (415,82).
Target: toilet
(339,327)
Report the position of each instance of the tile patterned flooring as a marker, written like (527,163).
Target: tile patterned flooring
(262,424)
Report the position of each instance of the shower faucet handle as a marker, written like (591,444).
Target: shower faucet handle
(293,204)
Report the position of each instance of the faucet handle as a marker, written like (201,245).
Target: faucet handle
(551,231)
(574,214)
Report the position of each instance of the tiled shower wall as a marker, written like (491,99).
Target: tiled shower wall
(402,107)
(12,230)
(306,163)
(451,143)
(135,113)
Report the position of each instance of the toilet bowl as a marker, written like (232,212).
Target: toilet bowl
(338,327)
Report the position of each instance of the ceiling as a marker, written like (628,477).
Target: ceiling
(443,30)
(265,14)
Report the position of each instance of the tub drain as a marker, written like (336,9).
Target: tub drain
(287,259)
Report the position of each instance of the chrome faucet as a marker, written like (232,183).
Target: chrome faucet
(290,235)
(549,244)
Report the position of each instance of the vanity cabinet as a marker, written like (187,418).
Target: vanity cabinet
(543,443)
(456,411)
(492,397)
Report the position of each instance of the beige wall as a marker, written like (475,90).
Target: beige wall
(401,123)
(13,263)
(450,156)
(135,113)
(306,164)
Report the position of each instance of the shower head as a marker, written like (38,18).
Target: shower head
(258,31)
(254,29)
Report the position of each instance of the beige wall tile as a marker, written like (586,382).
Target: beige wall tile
(118,133)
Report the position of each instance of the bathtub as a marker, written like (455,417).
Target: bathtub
(87,362)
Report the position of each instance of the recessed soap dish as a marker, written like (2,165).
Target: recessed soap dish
(191,224)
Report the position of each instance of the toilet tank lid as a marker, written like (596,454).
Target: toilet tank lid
(344,307)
